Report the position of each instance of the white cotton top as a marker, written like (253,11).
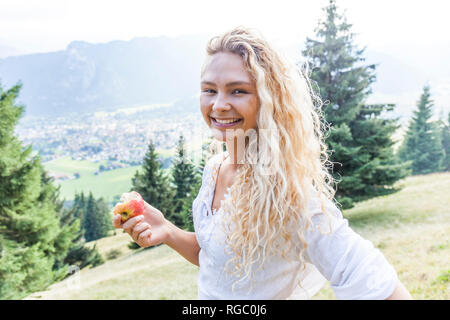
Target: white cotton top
(352,265)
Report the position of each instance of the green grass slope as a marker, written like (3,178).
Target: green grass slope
(411,228)
(106,184)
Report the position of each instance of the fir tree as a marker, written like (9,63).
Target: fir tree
(32,241)
(79,254)
(68,230)
(359,139)
(98,220)
(185,180)
(89,223)
(153,184)
(422,143)
(186,212)
(205,153)
(445,138)
(79,205)
(106,217)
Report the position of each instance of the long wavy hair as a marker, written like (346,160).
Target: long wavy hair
(267,214)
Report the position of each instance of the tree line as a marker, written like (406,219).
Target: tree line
(40,238)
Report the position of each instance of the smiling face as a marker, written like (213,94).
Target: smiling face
(228,92)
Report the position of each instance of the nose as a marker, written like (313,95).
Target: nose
(221,104)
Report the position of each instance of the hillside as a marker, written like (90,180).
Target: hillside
(106,184)
(411,228)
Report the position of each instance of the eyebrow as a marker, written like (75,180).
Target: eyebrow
(229,84)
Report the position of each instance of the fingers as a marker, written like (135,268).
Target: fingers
(136,227)
(130,223)
(138,230)
(144,238)
(140,227)
(117,221)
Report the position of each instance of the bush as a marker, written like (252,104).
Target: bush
(113,254)
(133,245)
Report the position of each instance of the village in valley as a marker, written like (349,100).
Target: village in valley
(113,139)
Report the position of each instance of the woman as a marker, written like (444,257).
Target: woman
(265,223)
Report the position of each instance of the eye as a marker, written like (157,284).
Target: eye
(238,91)
(209,91)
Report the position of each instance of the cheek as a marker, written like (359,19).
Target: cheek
(251,116)
(204,110)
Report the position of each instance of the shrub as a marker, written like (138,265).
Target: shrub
(113,254)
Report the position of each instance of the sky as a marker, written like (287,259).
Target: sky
(49,25)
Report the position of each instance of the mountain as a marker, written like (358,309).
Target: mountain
(401,76)
(393,75)
(87,77)
(90,77)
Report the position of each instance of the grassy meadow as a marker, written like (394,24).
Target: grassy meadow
(410,227)
(106,184)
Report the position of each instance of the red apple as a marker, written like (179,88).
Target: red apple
(131,205)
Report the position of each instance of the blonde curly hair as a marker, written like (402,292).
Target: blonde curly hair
(267,214)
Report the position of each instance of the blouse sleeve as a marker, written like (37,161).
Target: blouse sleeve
(352,265)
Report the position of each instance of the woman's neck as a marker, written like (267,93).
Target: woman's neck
(236,153)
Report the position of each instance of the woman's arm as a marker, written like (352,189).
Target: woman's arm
(400,293)
(354,267)
(184,242)
(151,228)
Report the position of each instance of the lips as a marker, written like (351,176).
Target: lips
(225,125)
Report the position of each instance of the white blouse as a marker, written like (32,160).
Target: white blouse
(352,265)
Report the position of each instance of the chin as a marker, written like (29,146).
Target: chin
(219,136)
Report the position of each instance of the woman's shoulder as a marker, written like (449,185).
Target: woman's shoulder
(324,214)
(211,166)
(214,160)
(217,158)
(318,206)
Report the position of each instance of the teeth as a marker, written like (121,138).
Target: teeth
(226,121)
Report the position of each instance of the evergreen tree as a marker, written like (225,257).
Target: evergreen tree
(186,212)
(445,138)
(89,222)
(201,165)
(79,205)
(153,184)
(67,232)
(422,143)
(97,221)
(360,139)
(32,242)
(185,180)
(79,254)
(205,153)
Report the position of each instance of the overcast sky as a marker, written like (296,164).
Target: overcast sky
(49,25)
